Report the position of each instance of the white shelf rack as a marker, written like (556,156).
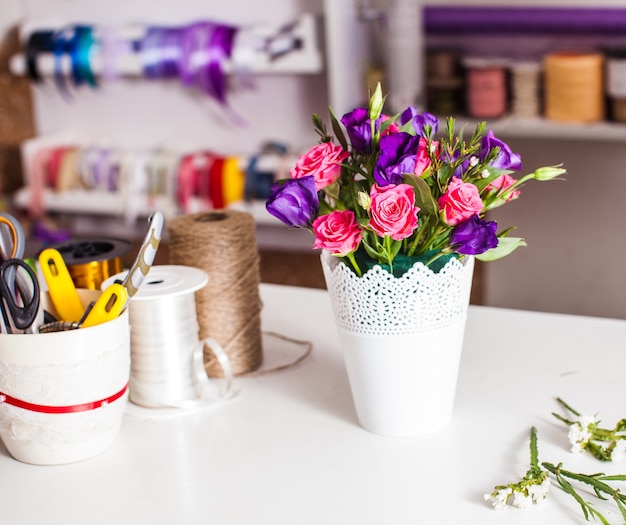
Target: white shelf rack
(306,59)
(539,128)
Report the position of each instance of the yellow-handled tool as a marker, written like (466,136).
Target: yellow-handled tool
(108,306)
(60,285)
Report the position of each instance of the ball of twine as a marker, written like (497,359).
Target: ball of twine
(223,244)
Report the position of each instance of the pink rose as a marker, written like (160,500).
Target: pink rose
(460,202)
(501,184)
(323,162)
(422,158)
(393,211)
(338,232)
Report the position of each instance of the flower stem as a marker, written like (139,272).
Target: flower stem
(355,265)
(387,244)
(596,482)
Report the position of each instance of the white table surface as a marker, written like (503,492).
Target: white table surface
(288,448)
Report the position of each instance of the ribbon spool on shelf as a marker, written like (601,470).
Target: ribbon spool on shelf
(444,84)
(486,81)
(525,89)
(615,73)
(92,261)
(223,244)
(574,87)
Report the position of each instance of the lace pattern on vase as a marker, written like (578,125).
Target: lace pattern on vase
(65,384)
(380,304)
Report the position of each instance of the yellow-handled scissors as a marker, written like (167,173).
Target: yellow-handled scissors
(108,306)
(61,288)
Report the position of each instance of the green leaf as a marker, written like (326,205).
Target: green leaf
(333,190)
(395,248)
(372,252)
(423,197)
(494,173)
(337,129)
(506,245)
(408,128)
(320,128)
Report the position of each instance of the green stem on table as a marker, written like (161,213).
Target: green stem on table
(568,407)
(596,482)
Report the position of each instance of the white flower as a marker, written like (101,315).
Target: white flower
(522,500)
(619,451)
(473,161)
(579,432)
(586,420)
(499,498)
(576,448)
(538,492)
(484,174)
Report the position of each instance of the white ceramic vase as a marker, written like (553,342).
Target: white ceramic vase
(402,339)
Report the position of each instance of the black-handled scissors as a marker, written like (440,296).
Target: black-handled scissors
(19,295)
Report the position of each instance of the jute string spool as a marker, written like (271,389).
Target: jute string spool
(574,87)
(223,244)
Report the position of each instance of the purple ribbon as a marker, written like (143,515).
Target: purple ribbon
(219,50)
(195,54)
(522,20)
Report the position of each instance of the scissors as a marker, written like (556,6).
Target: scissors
(114,298)
(18,287)
(12,238)
(146,255)
(19,296)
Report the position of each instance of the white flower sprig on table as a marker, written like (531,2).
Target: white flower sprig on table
(585,434)
(533,487)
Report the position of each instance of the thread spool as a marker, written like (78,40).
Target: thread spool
(486,87)
(92,261)
(167,365)
(525,89)
(444,84)
(615,74)
(574,87)
(223,244)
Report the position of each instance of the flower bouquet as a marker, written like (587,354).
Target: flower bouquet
(391,187)
(399,210)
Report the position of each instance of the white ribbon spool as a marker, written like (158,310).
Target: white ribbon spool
(167,361)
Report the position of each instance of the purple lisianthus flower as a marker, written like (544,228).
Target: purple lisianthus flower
(474,236)
(295,203)
(397,156)
(419,120)
(506,159)
(358,127)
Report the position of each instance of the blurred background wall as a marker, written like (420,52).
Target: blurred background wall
(574,228)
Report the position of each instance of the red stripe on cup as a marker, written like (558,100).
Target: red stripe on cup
(46,409)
